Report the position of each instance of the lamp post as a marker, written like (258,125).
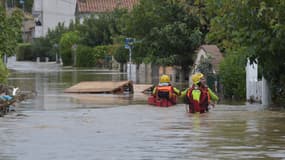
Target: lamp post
(130,60)
(56,53)
(128,45)
(74,47)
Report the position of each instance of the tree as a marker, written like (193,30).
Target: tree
(67,41)
(95,31)
(256,26)
(170,35)
(121,55)
(10,29)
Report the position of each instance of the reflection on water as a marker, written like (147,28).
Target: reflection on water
(60,126)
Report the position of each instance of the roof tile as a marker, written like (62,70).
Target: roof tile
(100,6)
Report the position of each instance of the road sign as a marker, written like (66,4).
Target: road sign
(128,42)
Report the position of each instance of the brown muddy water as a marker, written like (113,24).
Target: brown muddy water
(59,126)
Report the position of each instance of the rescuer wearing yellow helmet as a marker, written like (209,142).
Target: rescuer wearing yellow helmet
(198,77)
(164,89)
(199,95)
(164,79)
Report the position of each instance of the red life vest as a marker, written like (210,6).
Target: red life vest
(202,104)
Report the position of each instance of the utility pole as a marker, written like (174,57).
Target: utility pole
(128,45)
(74,47)
(57,57)
(130,60)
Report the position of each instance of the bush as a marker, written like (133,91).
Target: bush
(85,56)
(232,76)
(67,40)
(102,56)
(121,54)
(41,47)
(3,72)
(24,52)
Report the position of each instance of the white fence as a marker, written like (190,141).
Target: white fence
(256,91)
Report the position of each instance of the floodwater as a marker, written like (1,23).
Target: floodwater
(59,126)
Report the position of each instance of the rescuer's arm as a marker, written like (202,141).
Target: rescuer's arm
(213,96)
(183,93)
(176,91)
(154,91)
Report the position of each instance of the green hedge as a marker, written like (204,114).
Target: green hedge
(24,52)
(92,57)
(85,56)
(3,72)
(232,76)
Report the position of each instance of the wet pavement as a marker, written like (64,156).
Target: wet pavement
(59,126)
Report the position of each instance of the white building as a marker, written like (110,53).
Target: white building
(48,13)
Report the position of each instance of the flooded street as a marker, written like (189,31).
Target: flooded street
(60,126)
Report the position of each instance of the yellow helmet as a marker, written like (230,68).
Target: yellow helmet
(197,77)
(164,79)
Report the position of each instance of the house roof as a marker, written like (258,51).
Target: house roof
(101,6)
(214,52)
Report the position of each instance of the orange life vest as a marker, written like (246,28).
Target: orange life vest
(164,91)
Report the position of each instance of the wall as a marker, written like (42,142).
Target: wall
(55,11)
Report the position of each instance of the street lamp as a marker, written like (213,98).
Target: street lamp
(128,45)
(74,47)
(55,46)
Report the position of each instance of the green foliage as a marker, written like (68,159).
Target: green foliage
(169,36)
(115,19)
(10,27)
(3,72)
(24,52)
(257,26)
(46,46)
(121,54)
(95,31)
(101,52)
(53,36)
(85,56)
(278,88)
(102,55)
(41,47)
(10,31)
(232,76)
(92,57)
(67,40)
